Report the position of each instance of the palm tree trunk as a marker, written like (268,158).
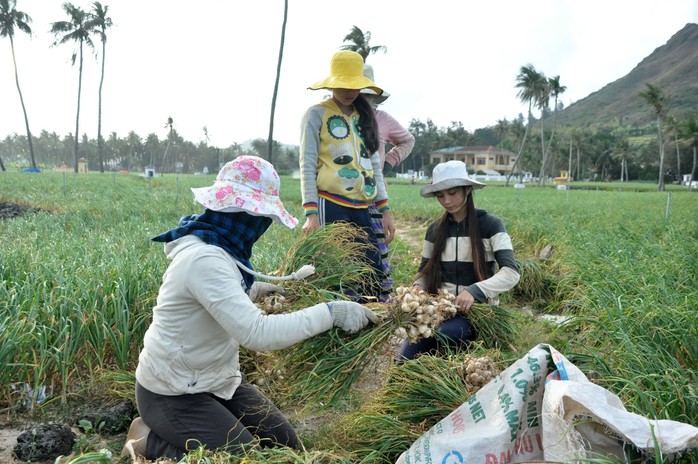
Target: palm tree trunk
(693,170)
(578,162)
(270,139)
(678,155)
(569,163)
(552,136)
(77,115)
(661,155)
(167,148)
(543,153)
(24,109)
(521,147)
(100,140)
(516,161)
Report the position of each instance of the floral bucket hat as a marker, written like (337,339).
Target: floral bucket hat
(249,184)
(347,72)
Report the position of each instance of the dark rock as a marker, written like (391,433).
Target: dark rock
(13,210)
(112,420)
(45,443)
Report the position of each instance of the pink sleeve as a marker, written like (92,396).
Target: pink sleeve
(391,131)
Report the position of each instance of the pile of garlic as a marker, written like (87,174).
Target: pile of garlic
(272,304)
(418,313)
(477,372)
(261,367)
(269,375)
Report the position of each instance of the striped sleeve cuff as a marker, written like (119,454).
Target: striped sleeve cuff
(382,205)
(310,208)
(477,293)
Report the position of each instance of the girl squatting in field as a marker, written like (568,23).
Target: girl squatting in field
(467,252)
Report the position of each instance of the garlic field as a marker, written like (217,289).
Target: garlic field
(609,278)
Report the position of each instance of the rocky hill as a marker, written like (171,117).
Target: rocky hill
(673,68)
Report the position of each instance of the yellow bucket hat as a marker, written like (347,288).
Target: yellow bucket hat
(346,72)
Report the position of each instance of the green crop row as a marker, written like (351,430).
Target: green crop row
(78,278)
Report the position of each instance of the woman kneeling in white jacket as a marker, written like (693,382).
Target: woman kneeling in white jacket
(189,387)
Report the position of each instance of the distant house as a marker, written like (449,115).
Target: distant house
(485,158)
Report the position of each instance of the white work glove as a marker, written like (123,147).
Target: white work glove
(349,316)
(260,290)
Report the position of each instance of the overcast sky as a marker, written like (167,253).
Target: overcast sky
(213,63)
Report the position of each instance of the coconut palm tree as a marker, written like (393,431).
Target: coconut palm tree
(671,125)
(77,29)
(101,23)
(270,139)
(541,99)
(502,128)
(655,98)
(169,125)
(554,89)
(360,43)
(622,153)
(529,82)
(11,18)
(578,139)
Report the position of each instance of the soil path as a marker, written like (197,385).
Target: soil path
(411,231)
(8,440)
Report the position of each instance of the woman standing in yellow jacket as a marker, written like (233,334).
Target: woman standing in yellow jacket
(341,173)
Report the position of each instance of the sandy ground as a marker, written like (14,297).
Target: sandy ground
(8,440)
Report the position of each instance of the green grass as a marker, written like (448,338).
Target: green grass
(78,282)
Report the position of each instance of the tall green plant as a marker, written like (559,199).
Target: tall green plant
(102,22)
(11,18)
(658,101)
(78,29)
(529,82)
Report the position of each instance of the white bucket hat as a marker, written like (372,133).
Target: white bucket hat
(249,184)
(448,175)
(368,73)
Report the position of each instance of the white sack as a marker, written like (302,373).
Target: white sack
(543,407)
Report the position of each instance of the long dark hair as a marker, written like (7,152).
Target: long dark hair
(432,270)
(367,123)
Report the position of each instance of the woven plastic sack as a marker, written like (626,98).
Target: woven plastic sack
(543,408)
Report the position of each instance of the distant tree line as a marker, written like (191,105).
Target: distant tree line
(171,154)
(616,153)
(620,153)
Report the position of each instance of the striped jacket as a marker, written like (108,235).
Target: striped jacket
(456,263)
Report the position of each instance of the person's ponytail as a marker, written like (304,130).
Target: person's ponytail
(368,125)
(478,249)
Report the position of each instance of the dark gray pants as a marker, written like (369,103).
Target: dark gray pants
(182,423)
(454,333)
